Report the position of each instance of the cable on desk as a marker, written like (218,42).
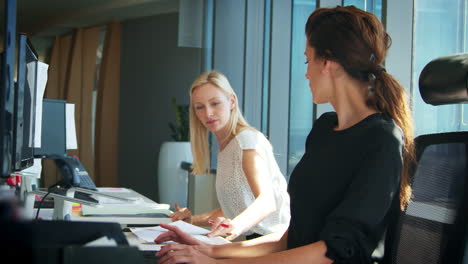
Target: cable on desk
(50,189)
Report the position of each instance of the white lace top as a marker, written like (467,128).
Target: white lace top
(233,190)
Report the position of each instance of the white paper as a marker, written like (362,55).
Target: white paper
(31,79)
(70,126)
(189,228)
(113,190)
(101,242)
(41,85)
(105,200)
(35,169)
(148,234)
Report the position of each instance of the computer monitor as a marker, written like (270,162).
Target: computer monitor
(53,145)
(7,88)
(24,108)
(53,139)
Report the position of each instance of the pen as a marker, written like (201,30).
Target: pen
(212,222)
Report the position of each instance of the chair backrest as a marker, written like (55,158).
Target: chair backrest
(433,227)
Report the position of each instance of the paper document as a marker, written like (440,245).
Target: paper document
(141,206)
(113,190)
(115,207)
(35,170)
(41,85)
(148,234)
(102,242)
(70,127)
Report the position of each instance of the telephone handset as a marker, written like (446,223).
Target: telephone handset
(73,172)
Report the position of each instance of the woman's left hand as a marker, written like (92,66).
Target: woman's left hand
(223,226)
(179,253)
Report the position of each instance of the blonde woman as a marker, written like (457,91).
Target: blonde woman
(250,188)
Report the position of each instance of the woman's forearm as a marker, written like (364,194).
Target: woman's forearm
(251,248)
(202,219)
(261,208)
(312,253)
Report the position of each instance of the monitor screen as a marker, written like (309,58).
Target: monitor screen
(7,88)
(53,139)
(24,108)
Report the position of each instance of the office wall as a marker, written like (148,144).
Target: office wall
(153,71)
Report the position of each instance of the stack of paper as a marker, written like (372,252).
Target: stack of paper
(148,234)
(139,207)
(128,209)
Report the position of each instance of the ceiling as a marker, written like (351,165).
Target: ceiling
(47,18)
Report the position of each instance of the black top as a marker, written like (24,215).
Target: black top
(346,186)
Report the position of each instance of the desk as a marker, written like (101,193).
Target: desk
(122,220)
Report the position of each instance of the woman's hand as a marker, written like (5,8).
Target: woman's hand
(181,214)
(178,253)
(176,235)
(223,226)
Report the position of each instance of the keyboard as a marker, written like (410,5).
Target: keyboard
(86,182)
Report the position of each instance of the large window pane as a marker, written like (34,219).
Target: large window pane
(301,107)
(300,119)
(374,6)
(440,29)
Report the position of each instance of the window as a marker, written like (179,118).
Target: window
(440,29)
(301,107)
(374,6)
(300,110)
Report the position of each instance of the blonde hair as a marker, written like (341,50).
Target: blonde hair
(199,133)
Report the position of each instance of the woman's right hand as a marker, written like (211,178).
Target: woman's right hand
(175,234)
(178,253)
(181,214)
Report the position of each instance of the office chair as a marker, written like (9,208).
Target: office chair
(433,227)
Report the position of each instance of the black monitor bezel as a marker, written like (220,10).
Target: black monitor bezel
(7,89)
(24,121)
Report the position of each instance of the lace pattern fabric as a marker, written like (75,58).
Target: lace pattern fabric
(233,190)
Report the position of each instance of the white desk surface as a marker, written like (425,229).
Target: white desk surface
(46,213)
(124,220)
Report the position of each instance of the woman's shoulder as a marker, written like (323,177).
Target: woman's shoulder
(327,119)
(250,138)
(384,129)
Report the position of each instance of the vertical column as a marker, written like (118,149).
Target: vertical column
(398,21)
(279,80)
(207,51)
(253,71)
(229,42)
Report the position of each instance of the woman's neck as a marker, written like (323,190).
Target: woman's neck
(223,138)
(350,103)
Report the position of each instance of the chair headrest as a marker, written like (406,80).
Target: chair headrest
(445,80)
